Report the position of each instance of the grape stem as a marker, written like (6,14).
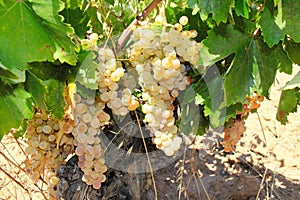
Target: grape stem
(147,154)
(127,32)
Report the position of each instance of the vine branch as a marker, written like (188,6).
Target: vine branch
(127,32)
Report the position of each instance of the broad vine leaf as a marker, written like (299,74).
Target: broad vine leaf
(5,74)
(34,31)
(242,8)
(73,4)
(293,50)
(78,19)
(192,119)
(218,8)
(276,22)
(210,93)
(272,24)
(266,63)
(287,104)
(37,89)
(194,4)
(295,82)
(239,79)
(14,107)
(86,75)
(220,43)
(254,69)
(56,97)
(291,15)
(50,82)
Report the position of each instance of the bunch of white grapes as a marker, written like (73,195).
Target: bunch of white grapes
(119,99)
(89,117)
(158,56)
(48,147)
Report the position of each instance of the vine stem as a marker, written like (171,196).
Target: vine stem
(147,154)
(127,32)
(13,179)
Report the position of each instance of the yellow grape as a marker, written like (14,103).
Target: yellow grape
(47,129)
(183,20)
(54,180)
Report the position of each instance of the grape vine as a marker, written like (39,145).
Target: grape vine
(124,63)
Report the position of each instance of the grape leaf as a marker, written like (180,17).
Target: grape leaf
(293,50)
(73,4)
(295,82)
(254,69)
(78,19)
(241,8)
(194,4)
(210,91)
(218,8)
(220,43)
(266,63)
(33,31)
(239,79)
(51,83)
(55,97)
(291,15)
(86,75)
(37,89)
(14,107)
(5,74)
(287,104)
(272,24)
(254,64)
(192,119)
(276,22)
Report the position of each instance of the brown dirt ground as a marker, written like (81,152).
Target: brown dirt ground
(265,165)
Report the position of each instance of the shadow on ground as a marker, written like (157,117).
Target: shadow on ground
(206,173)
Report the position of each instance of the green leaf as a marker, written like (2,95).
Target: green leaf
(86,75)
(191,119)
(295,82)
(272,24)
(194,4)
(55,97)
(254,69)
(210,93)
(267,61)
(78,19)
(14,107)
(33,31)
(287,104)
(220,43)
(37,89)
(291,15)
(242,8)
(73,3)
(276,22)
(53,79)
(218,8)
(239,79)
(293,50)
(5,74)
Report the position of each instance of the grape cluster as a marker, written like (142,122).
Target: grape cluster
(90,42)
(48,147)
(89,117)
(158,57)
(110,71)
(233,135)
(253,102)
